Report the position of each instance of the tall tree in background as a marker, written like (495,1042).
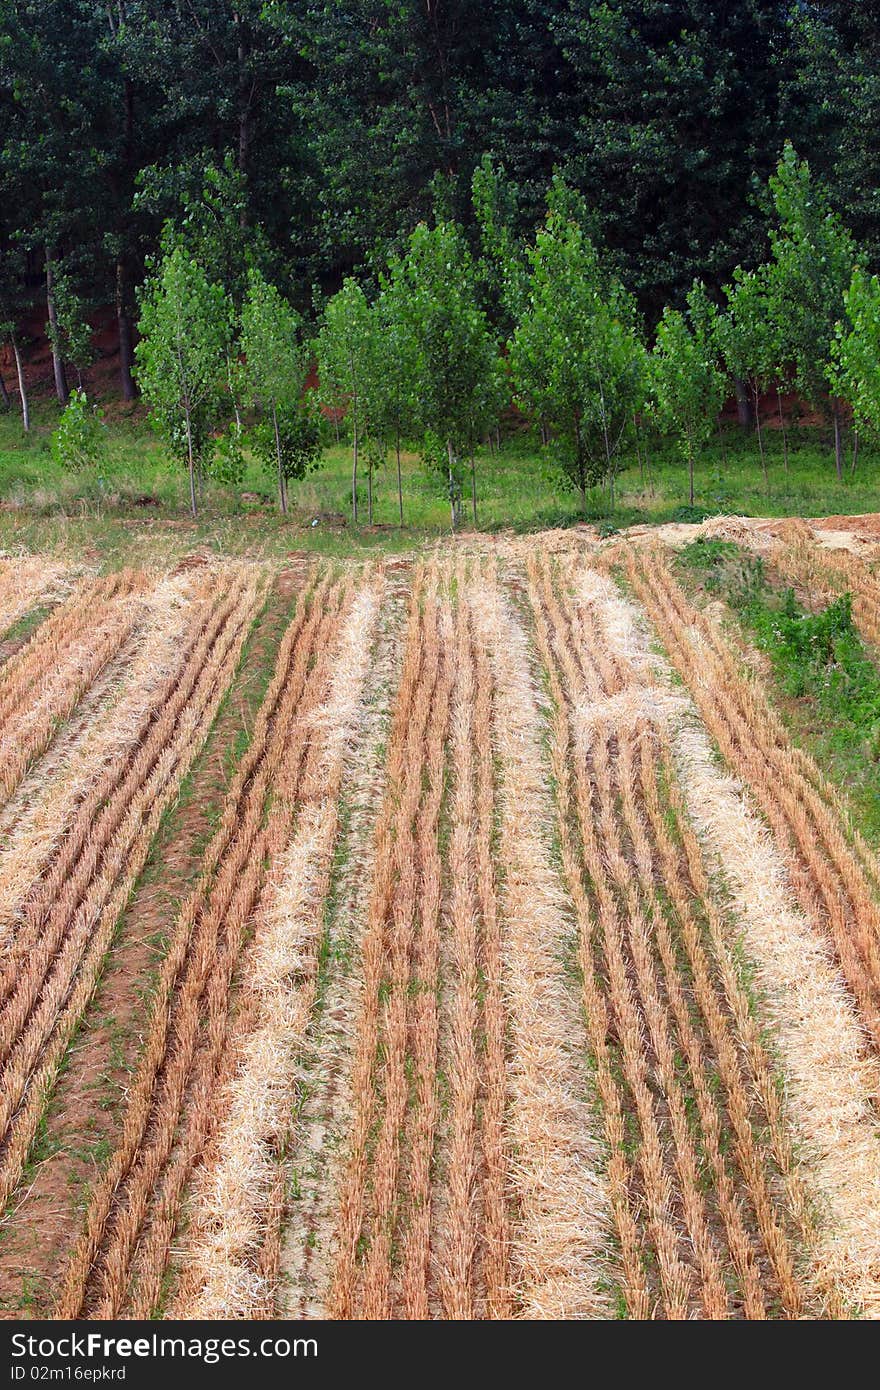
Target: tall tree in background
(276,367)
(12,302)
(574,356)
(812,261)
(855,370)
(394,408)
(830,106)
(748,342)
(347,347)
(456,358)
(181,357)
(678,114)
(687,386)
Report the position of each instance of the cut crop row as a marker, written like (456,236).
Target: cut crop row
(42,685)
(834,879)
(232,1244)
(35,821)
(683,1081)
(120,1262)
(69,918)
(463,1191)
(25,583)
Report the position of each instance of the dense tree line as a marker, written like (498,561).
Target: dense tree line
(434,344)
(318,136)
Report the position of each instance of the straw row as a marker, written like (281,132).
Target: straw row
(70,918)
(232,1243)
(121,1259)
(39,690)
(63,779)
(26,582)
(545,1255)
(830,877)
(709,1229)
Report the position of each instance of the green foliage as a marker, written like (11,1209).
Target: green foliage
(227,462)
(276,359)
(687,386)
(276,367)
(723,568)
(576,362)
(297,449)
(392,402)
(855,372)
(829,684)
(457,375)
(80,439)
(346,351)
(811,267)
(74,336)
(182,355)
(746,333)
(503,267)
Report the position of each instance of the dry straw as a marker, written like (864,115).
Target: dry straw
(233,1201)
(561,1232)
(70,920)
(121,1262)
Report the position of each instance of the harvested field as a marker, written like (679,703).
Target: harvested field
(495,978)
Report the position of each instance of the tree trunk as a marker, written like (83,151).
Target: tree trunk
(761,441)
(282,495)
(722,443)
(354,474)
(639,458)
(4,393)
(452,497)
(608,463)
(691,469)
(369,489)
(582,475)
(784,431)
(855,453)
(123,319)
(474,487)
(57,363)
(838,441)
(22,388)
(746,414)
(399,481)
(192,471)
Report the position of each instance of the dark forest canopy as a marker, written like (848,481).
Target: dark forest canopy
(332,129)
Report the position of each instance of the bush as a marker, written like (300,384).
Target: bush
(79,441)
